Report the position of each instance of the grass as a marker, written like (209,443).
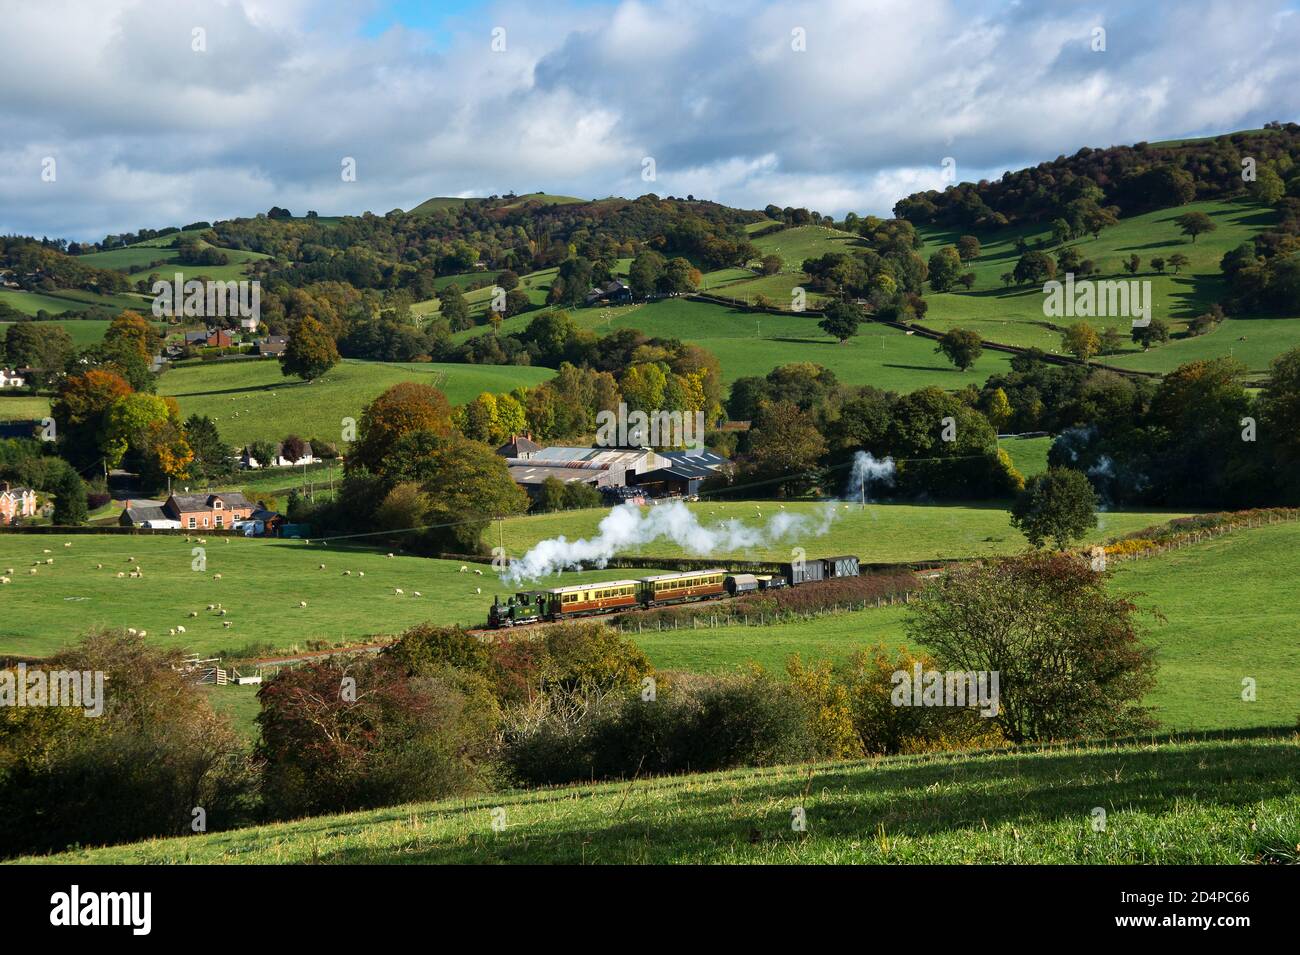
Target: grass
(64,300)
(882,532)
(1029,455)
(1200,802)
(23,407)
(1014,316)
(261,586)
(83,333)
(142,254)
(252,400)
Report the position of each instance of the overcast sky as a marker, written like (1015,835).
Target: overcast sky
(146,130)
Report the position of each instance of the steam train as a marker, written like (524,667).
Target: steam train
(660,590)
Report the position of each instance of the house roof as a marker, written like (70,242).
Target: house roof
(702,458)
(154,512)
(16,491)
(517,445)
(524,473)
(203,502)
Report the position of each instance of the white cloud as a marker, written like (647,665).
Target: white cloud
(149,132)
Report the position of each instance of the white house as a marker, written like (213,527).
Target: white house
(247,460)
(11,378)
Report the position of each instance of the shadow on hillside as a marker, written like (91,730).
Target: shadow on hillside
(852,800)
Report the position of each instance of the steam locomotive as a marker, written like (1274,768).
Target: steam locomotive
(660,590)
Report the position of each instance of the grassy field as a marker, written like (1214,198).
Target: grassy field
(64,300)
(21,407)
(881,532)
(1015,316)
(1029,455)
(261,586)
(1199,802)
(83,333)
(252,400)
(152,250)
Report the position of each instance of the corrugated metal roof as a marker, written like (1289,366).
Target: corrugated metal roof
(532,474)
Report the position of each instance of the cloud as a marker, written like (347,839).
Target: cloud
(147,131)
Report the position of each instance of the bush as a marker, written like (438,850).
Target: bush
(707,724)
(138,771)
(352,734)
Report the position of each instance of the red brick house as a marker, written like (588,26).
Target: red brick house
(208,511)
(16,502)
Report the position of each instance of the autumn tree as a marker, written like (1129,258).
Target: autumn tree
(310,352)
(403,409)
(1081,341)
(785,445)
(80,411)
(132,330)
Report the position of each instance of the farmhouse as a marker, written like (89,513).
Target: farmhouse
(146,513)
(247,460)
(613,291)
(519,446)
(13,377)
(15,503)
(272,346)
(197,511)
(212,337)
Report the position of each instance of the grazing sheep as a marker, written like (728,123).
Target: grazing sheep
(132,632)
(4,580)
(120,575)
(99,566)
(361,573)
(462,570)
(33,572)
(302,603)
(171,631)
(212,606)
(226,623)
(477,572)
(347,573)
(46,551)
(322,566)
(144,633)
(390,555)
(49,560)
(478,590)
(67,544)
(221,613)
(180,629)
(415,593)
(194,613)
(216,576)
(397,591)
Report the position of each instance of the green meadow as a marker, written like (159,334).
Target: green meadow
(880,532)
(1210,801)
(142,254)
(261,585)
(251,400)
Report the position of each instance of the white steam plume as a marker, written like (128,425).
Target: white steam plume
(865,470)
(626,526)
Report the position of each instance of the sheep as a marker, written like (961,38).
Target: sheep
(171,631)
(390,554)
(478,590)
(4,580)
(32,571)
(194,613)
(99,566)
(46,551)
(322,566)
(132,632)
(212,606)
(221,613)
(226,623)
(144,633)
(462,570)
(67,543)
(302,603)
(347,573)
(397,591)
(49,560)
(120,575)
(216,576)
(10,571)
(180,629)
(477,572)
(361,573)
(415,593)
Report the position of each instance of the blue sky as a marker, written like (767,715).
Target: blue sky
(837,105)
